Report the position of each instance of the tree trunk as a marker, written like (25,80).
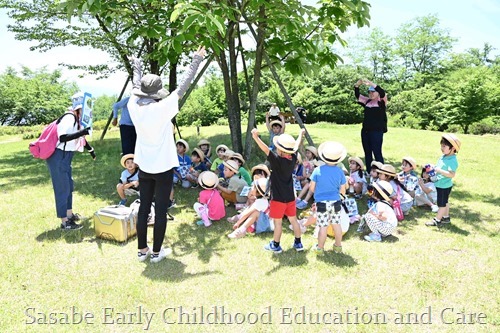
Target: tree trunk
(259,51)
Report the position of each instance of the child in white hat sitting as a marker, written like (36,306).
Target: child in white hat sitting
(357,180)
(231,193)
(210,205)
(129,179)
(380,218)
(408,177)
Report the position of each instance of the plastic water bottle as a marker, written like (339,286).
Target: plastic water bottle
(430,170)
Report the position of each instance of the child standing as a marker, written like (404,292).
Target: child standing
(446,168)
(197,166)
(327,184)
(220,150)
(380,218)
(129,179)
(282,203)
(357,180)
(408,177)
(235,183)
(274,127)
(210,205)
(426,193)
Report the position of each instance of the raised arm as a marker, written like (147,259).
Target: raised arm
(260,143)
(193,68)
(299,139)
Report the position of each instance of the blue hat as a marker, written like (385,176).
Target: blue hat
(371,89)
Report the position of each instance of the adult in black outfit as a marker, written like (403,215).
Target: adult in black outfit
(374,121)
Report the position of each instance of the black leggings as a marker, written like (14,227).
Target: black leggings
(153,186)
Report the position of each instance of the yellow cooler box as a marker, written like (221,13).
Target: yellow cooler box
(116,223)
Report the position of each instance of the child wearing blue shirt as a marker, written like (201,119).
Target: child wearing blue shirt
(327,183)
(446,168)
(182,170)
(197,167)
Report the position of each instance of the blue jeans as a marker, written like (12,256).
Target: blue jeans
(154,186)
(59,165)
(372,146)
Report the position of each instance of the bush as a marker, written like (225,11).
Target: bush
(222,121)
(490,125)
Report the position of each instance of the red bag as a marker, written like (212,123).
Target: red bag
(46,144)
(396,206)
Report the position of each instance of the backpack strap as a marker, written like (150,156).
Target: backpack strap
(132,175)
(59,120)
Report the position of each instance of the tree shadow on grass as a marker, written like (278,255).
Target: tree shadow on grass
(171,270)
(202,240)
(288,258)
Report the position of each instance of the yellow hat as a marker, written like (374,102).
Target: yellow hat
(125,158)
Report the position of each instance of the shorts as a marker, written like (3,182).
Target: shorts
(131,191)
(279,209)
(443,194)
(329,216)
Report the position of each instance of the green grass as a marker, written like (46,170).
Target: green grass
(419,269)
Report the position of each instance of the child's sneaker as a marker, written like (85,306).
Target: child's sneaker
(434,208)
(272,248)
(157,257)
(75,217)
(434,223)
(122,202)
(298,247)
(337,249)
(317,249)
(373,237)
(302,204)
(238,233)
(142,256)
(446,220)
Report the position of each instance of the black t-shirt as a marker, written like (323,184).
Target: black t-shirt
(282,189)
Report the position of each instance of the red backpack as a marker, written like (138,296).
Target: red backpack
(46,144)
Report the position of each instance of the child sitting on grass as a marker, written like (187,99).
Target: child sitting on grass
(426,193)
(380,218)
(210,206)
(251,214)
(220,151)
(129,179)
(182,170)
(388,173)
(242,171)
(282,163)
(357,180)
(408,177)
(197,166)
(235,183)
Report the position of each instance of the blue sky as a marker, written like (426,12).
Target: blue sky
(472,22)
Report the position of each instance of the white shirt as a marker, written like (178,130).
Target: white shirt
(68,126)
(274,111)
(155,150)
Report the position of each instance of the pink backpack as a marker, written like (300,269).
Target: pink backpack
(46,144)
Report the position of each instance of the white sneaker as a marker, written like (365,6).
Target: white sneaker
(434,208)
(142,256)
(157,257)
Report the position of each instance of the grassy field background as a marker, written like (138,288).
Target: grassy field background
(438,277)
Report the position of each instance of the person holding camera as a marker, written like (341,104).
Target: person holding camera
(327,183)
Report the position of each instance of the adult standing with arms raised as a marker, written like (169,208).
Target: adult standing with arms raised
(128,135)
(374,120)
(152,108)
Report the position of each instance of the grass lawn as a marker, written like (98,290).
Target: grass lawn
(445,279)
